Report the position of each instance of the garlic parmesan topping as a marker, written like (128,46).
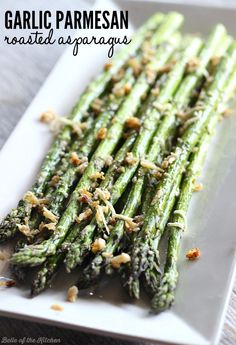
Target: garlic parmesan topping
(72,294)
(118,260)
(49,215)
(107,66)
(192,65)
(227,112)
(84,215)
(193,254)
(75,160)
(47,116)
(54,181)
(57,307)
(130,159)
(135,65)
(50,226)
(97,105)
(31,199)
(133,123)
(198,187)
(98,245)
(102,133)
(176,225)
(151,75)
(97,176)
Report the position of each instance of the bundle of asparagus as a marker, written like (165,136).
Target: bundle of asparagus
(122,168)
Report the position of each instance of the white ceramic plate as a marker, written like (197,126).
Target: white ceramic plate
(204,286)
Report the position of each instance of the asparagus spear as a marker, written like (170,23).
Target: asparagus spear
(164,296)
(92,271)
(36,254)
(67,180)
(46,273)
(72,243)
(8,226)
(140,147)
(209,99)
(150,184)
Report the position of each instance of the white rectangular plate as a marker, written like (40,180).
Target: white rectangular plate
(204,286)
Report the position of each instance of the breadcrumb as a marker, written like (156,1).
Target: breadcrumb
(198,187)
(193,254)
(57,307)
(123,258)
(107,66)
(54,181)
(133,123)
(49,215)
(75,160)
(72,294)
(47,116)
(84,215)
(98,245)
(97,176)
(130,159)
(102,133)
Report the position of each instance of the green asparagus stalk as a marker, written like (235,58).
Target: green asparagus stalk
(67,180)
(164,296)
(36,254)
(72,243)
(46,273)
(151,119)
(92,271)
(75,254)
(150,184)
(209,99)
(8,226)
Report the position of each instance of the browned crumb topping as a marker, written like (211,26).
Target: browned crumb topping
(215,60)
(54,181)
(24,229)
(49,215)
(127,88)
(57,307)
(166,68)
(86,196)
(75,160)
(102,133)
(47,116)
(119,75)
(97,176)
(151,75)
(192,65)
(193,254)
(135,65)
(130,159)
(50,226)
(118,260)
(84,215)
(31,199)
(168,161)
(97,105)
(155,91)
(120,170)
(108,161)
(133,123)
(198,187)
(107,255)
(72,294)
(98,245)
(107,66)
(227,112)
